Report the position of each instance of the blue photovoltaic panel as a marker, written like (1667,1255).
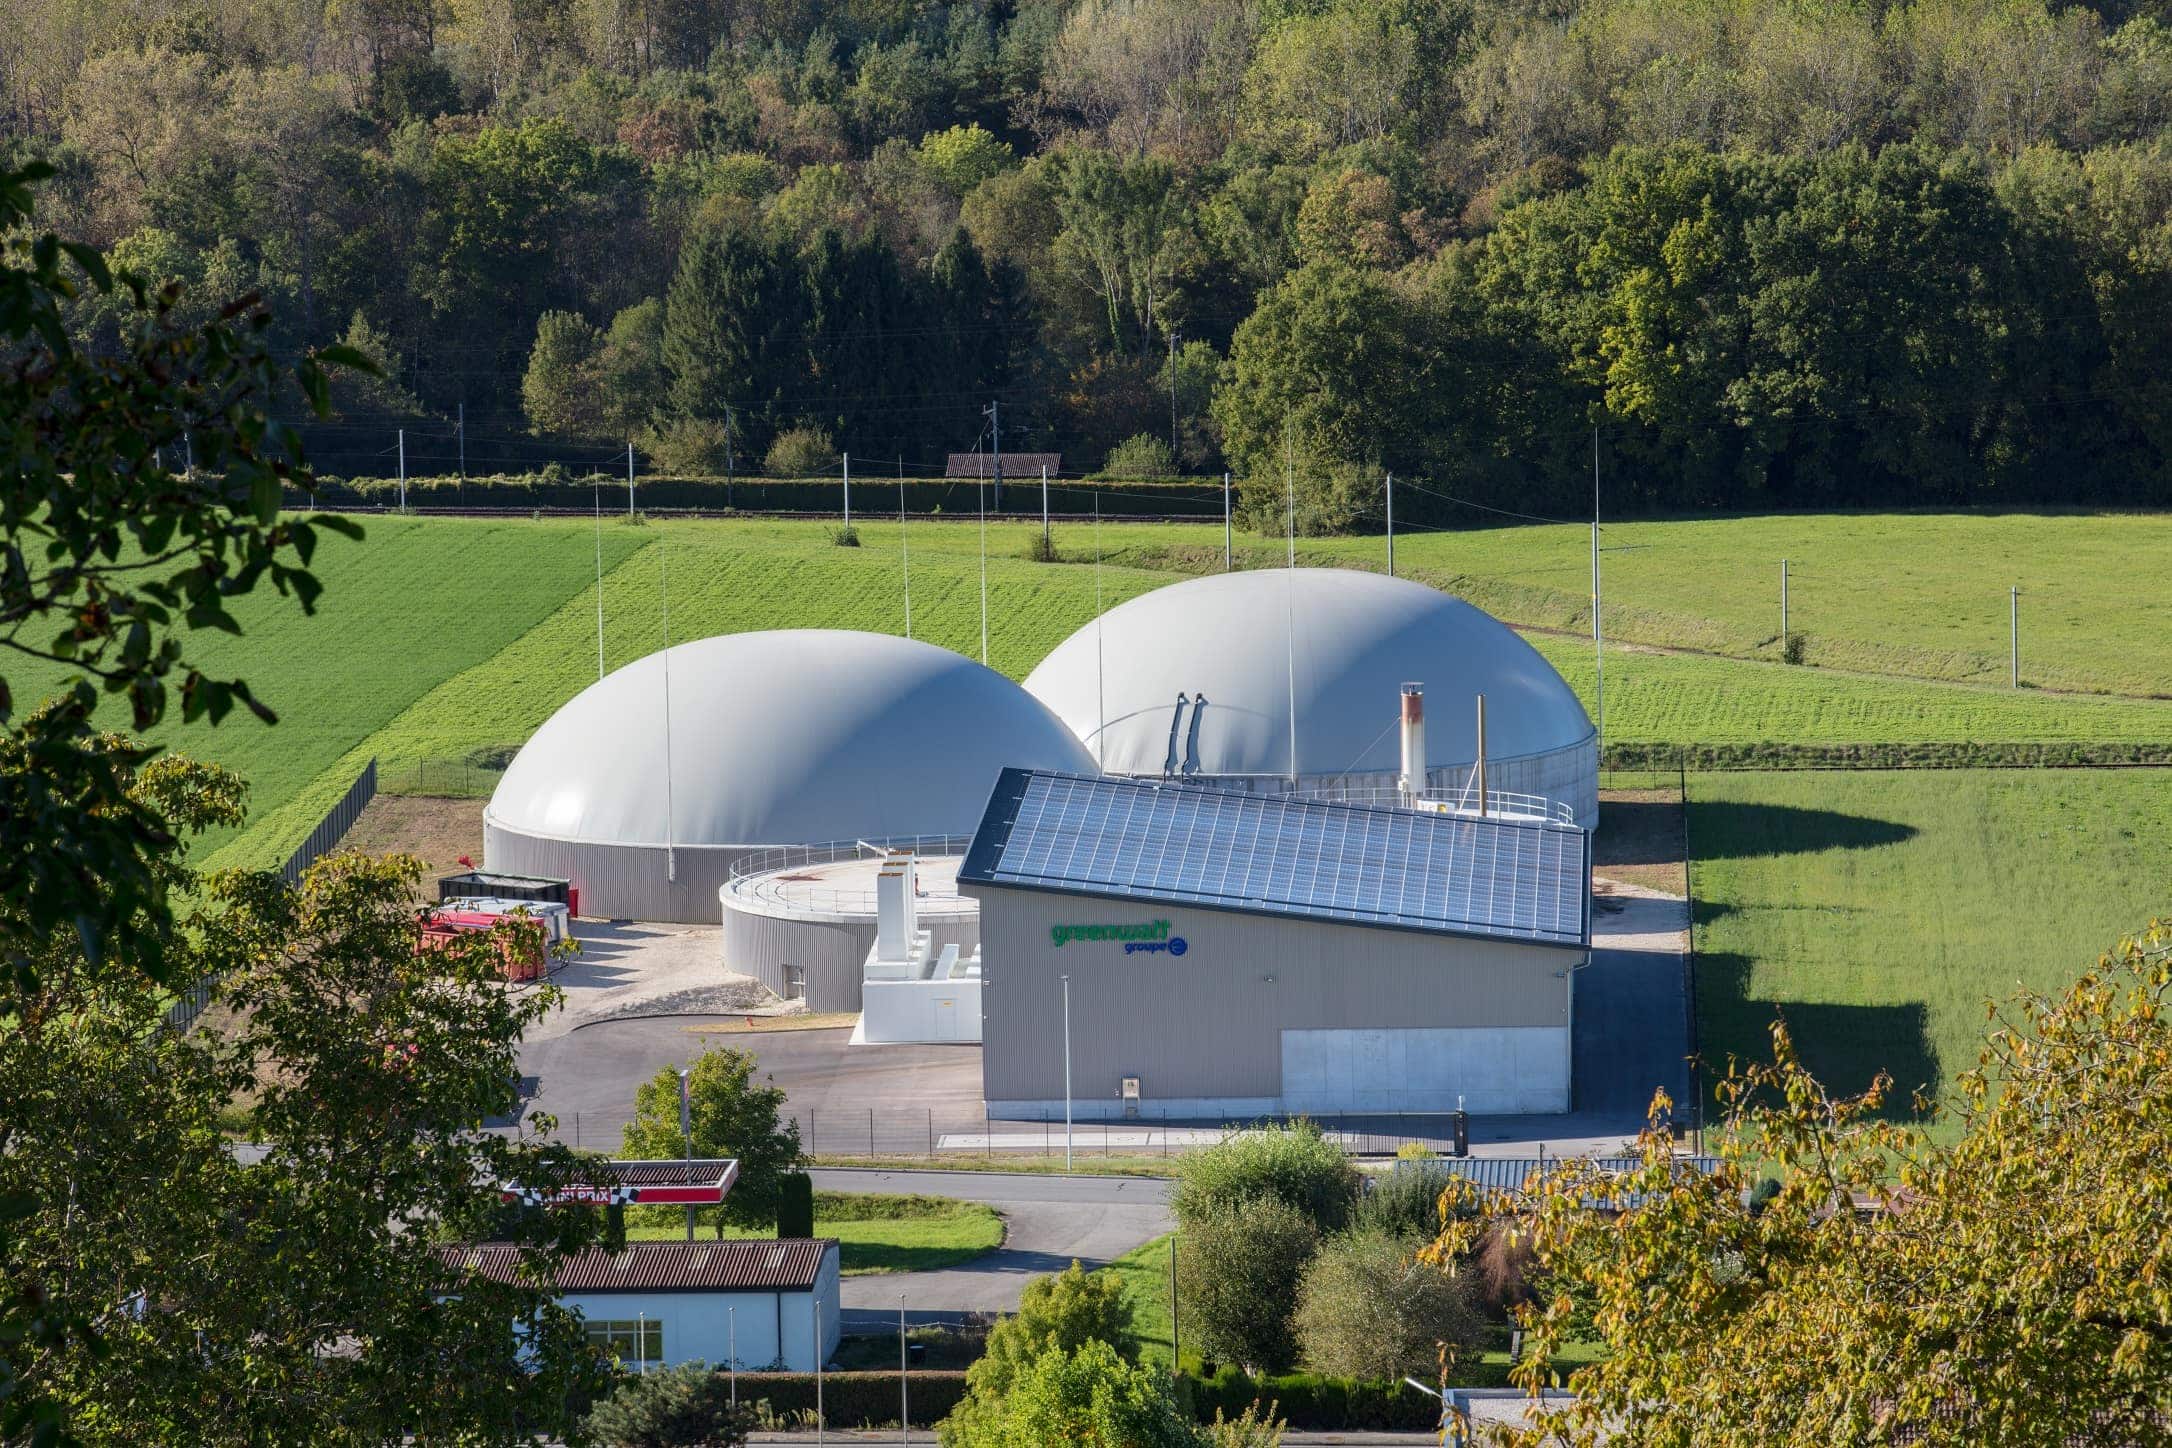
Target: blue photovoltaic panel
(1134,839)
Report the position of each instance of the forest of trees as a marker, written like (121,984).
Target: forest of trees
(1777,252)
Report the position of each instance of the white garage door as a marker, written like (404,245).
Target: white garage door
(1497,1071)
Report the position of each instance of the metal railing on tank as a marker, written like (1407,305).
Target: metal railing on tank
(763,880)
(1505,804)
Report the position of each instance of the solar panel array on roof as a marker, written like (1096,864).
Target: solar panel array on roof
(1263,854)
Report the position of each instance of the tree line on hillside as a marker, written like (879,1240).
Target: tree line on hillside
(1822,253)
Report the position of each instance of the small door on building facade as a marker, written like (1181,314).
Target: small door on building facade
(948,1019)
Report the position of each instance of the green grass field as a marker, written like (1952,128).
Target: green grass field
(1878,912)
(438,639)
(880,1232)
(413,603)
(1912,594)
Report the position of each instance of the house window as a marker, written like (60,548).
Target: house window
(635,1342)
(795,982)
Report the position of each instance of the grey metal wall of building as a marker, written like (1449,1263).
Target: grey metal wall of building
(832,953)
(1208,1024)
(621,882)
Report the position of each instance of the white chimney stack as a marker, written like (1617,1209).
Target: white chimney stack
(896,910)
(1413,780)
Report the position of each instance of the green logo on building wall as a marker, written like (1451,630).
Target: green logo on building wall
(1144,931)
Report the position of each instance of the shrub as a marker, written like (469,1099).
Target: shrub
(1043,549)
(1090,1395)
(795,1205)
(1065,1311)
(1140,456)
(688,1406)
(1401,1204)
(854,1399)
(1794,648)
(1306,1400)
(1255,1427)
(1368,1309)
(846,536)
(697,445)
(1239,1265)
(1295,1163)
(800,452)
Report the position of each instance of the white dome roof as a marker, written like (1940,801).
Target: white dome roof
(1356,639)
(799,736)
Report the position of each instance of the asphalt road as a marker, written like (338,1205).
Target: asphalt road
(1050,1222)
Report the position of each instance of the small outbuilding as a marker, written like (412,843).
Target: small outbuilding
(1168,950)
(750,1304)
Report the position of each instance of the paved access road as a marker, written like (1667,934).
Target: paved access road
(1051,1221)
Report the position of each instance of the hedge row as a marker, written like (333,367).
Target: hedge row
(858,1399)
(1317,1404)
(952,497)
(1330,1405)
(1954,755)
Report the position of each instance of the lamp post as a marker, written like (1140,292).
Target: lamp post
(1067,1073)
(904,1392)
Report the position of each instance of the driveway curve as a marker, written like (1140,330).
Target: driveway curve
(1051,1221)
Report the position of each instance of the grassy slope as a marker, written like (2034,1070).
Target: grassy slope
(400,611)
(1917,594)
(1878,912)
(880,1233)
(448,636)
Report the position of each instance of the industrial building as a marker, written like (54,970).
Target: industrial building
(648,786)
(1285,681)
(1156,948)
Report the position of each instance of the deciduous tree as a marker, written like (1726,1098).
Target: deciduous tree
(2004,1276)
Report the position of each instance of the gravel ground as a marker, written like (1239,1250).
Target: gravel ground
(647,969)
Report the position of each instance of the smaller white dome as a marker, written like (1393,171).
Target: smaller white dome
(796,736)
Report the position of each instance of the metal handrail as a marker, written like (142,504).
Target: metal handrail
(1507,803)
(831,901)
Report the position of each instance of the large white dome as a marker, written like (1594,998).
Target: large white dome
(791,737)
(800,736)
(1355,638)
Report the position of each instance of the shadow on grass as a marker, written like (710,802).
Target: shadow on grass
(1844,1046)
(1734,830)
(1638,832)
(872,1257)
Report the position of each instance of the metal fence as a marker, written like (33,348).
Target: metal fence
(334,826)
(330,830)
(938,1134)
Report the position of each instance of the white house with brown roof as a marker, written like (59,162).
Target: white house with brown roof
(752,1304)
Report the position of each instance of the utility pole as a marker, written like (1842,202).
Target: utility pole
(596,486)
(848,489)
(1067,1073)
(995,423)
(460,430)
(727,457)
(686,1135)
(904,1390)
(1045,546)
(403,469)
(1176,1341)
(1783,605)
(1226,554)
(904,549)
(2013,636)
(1598,639)
(1391,524)
(629,478)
